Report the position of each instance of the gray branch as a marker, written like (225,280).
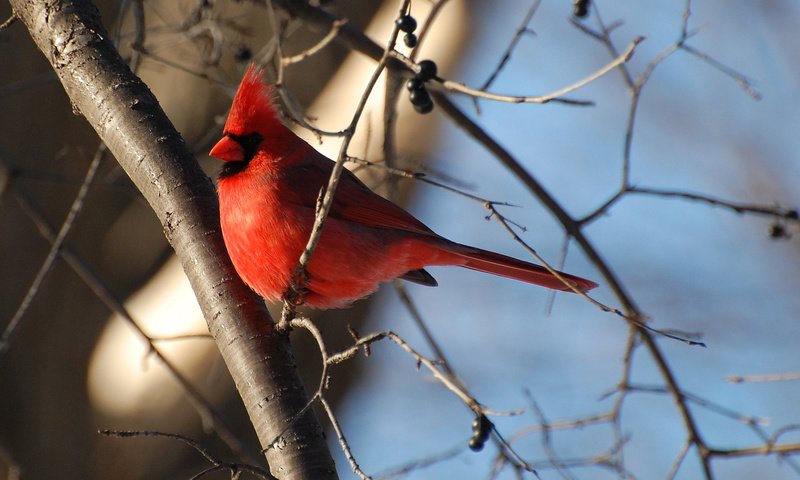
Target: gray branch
(128,118)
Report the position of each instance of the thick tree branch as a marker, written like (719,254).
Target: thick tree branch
(128,118)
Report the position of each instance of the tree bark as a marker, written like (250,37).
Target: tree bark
(128,118)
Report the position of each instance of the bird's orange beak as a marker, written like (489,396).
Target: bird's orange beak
(228,149)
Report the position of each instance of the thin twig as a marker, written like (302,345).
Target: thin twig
(769,377)
(635,320)
(324,42)
(779,449)
(209,417)
(676,464)
(522,30)
(324,205)
(173,64)
(319,395)
(342,441)
(140,31)
(403,471)
(176,338)
(577,423)
(771,211)
(547,443)
(426,332)
(465,396)
(8,22)
(422,177)
(553,96)
(508,452)
(742,80)
(75,209)
(708,404)
(196,446)
(573,228)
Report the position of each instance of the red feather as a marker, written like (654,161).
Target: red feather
(268,191)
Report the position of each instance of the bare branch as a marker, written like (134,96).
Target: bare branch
(327,39)
(770,377)
(342,441)
(790,214)
(324,205)
(555,96)
(52,255)
(151,151)
(195,445)
(209,416)
(8,22)
(522,30)
(415,465)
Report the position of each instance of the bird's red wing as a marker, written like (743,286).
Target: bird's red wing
(354,201)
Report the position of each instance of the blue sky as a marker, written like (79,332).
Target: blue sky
(689,266)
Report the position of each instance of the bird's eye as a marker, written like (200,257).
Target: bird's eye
(249,143)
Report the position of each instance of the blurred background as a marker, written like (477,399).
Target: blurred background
(721,123)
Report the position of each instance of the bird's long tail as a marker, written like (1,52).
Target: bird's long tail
(497,264)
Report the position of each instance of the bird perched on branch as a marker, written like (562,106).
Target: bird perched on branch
(268,190)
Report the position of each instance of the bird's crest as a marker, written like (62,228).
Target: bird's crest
(253,108)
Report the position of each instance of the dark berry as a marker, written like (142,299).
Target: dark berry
(481,427)
(476,424)
(427,70)
(406,23)
(410,40)
(475,445)
(414,84)
(420,97)
(580,8)
(778,231)
(424,108)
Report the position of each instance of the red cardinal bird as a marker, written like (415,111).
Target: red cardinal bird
(268,190)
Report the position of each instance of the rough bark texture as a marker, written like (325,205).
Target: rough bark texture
(130,121)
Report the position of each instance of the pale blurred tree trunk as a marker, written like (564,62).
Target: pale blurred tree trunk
(130,121)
